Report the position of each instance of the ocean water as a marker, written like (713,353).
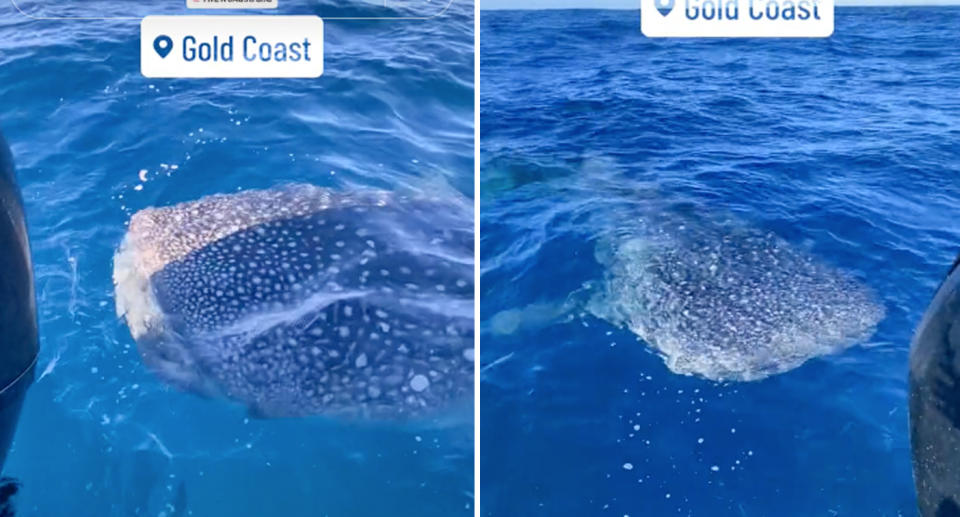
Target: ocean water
(845,148)
(94,141)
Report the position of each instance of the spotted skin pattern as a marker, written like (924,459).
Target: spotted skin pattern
(357,306)
(728,302)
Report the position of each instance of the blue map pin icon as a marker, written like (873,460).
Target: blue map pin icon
(664,6)
(163,45)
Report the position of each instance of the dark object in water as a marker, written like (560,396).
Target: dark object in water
(18,313)
(301,300)
(8,488)
(935,402)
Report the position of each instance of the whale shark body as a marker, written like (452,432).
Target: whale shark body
(729,302)
(302,300)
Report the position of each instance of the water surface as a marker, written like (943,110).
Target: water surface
(94,142)
(843,147)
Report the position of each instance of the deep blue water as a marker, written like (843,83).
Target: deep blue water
(94,142)
(845,147)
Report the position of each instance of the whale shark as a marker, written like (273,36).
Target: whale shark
(713,297)
(729,302)
(302,300)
